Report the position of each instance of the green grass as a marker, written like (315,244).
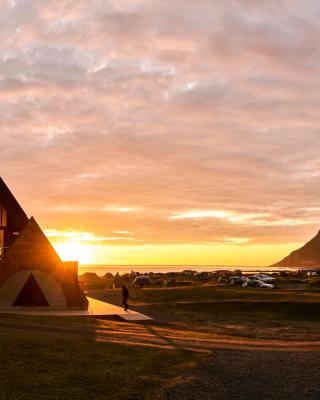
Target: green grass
(95,283)
(47,367)
(235,312)
(42,364)
(292,314)
(221,293)
(250,312)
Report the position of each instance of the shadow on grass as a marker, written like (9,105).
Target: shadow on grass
(54,358)
(165,339)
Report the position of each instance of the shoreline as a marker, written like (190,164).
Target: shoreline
(123,269)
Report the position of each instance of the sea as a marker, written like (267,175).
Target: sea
(101,270)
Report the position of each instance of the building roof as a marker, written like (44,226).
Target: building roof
(9,202)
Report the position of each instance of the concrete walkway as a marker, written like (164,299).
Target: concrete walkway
(96,308)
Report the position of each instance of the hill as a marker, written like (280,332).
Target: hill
(305,257)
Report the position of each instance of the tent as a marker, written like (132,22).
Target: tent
(141,281)
(117,282)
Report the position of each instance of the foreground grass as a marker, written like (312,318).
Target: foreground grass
(63,358)
(208,293)
(234,303)
(281,313)
(41,366)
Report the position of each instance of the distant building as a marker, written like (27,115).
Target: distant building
(31,272)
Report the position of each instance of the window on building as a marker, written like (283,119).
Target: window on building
(3,217)
(1,243)
(3,224)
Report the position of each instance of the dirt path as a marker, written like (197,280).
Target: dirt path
(251,375)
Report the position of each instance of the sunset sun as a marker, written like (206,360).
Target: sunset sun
(71,250)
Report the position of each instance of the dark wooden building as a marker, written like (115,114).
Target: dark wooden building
(31,272)
(12,218)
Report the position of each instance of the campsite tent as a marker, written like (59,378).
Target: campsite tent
(201,276)
(117,282)
(141,281)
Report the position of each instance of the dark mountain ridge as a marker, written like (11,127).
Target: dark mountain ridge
(308,256)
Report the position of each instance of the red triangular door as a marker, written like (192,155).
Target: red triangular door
(31,295)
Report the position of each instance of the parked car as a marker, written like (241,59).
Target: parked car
(237,280)
(263,278)
(257,283)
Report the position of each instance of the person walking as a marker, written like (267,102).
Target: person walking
(125,296)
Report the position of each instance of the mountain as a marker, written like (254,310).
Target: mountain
(305,257)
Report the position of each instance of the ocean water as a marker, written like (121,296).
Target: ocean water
(100,270)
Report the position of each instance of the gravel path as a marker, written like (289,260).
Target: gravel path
(252,375)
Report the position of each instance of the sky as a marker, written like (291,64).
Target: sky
(163,132)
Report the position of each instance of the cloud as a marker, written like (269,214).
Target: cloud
(199,119)
(119,209)
(263,219)
(89,237)
(219,214)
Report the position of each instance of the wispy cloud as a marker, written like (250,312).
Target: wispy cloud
(227,215)
(119,209)
(236,240)
(262,219)
(89,236)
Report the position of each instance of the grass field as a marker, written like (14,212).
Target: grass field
(41,363)
(248,312)
(88,358)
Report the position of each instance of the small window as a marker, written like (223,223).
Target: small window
(3,217)
(1,243)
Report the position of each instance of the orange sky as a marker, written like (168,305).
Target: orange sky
(179,254)
(174,132)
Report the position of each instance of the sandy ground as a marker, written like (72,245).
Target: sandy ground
(256,375)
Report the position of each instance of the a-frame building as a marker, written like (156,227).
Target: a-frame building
(31,272)
(12,218)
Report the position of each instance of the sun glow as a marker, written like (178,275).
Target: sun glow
(72,250)
(228,253)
